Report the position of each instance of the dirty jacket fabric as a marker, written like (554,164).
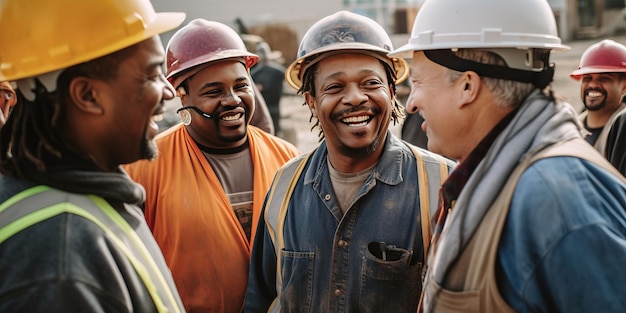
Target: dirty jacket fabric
(330,261)
(566,226)
(67,263)
(193,222)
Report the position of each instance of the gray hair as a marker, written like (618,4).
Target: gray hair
(506,92)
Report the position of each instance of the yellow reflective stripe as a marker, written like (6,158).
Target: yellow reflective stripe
(283,213)
(67,207)
(22,195)
(422,183)
(277,222)
(56,209)
(270,198)
(121,222)
(27,221)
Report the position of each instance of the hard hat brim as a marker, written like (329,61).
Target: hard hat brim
(163,22)
(577,74)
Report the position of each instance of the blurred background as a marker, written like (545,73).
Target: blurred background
(273,29)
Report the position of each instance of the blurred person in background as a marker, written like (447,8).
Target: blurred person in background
(269,77)
(602,76)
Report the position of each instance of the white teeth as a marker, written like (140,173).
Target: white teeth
(231,117)
(594,94)
(157,118)
(356,119)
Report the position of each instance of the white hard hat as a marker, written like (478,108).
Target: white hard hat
(522,32)
(455,24)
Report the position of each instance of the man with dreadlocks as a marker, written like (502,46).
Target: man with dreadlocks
(72,238)
(350,234)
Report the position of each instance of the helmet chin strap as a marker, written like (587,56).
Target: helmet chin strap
(447,58)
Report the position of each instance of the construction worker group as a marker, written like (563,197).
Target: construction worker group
(516,204)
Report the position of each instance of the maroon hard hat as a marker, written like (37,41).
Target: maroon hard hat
(606,56)
(201,42)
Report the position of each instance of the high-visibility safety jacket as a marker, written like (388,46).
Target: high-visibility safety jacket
(310,256)
(41,203)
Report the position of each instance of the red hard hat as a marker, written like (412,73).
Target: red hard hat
(606,56)
(201,42)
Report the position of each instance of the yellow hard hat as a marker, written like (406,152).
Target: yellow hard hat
(41,36)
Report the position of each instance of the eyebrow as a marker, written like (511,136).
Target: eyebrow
(214,84)
(365,71)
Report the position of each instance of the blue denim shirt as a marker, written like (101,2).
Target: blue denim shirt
(563,248)
(330,261)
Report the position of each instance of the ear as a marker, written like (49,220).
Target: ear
(469,85)
(310,101)
(83,92)
(180,92)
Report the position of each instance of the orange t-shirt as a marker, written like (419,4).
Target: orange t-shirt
(193,222)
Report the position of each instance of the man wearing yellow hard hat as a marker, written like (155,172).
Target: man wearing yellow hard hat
(89,84)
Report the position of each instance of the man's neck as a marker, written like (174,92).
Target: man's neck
(597,119)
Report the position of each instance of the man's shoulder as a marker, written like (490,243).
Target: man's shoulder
(10,186)
(565,177)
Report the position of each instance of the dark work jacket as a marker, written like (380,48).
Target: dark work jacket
(69,264)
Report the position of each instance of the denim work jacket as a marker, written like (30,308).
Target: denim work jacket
(563,248)
(333,262)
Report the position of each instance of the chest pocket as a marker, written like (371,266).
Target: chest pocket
(432,171)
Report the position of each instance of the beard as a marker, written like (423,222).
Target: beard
(149,150)
(598,106)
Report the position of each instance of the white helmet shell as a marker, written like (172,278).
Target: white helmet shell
(457,24)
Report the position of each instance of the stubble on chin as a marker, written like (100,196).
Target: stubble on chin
(149,150)
(358,153)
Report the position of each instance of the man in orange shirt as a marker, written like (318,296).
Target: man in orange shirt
(206,188)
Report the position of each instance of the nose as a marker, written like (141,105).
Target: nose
(230,99)
(411,104)
(168,92)
(354,96)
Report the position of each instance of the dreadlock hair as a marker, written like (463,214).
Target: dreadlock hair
(30,135)
(308,85)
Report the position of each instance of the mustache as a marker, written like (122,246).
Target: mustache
(223,109)
(360,108)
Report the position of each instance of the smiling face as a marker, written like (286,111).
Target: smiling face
(439,102)
(223,90)
(602,91)
(121,109)
(353,103)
